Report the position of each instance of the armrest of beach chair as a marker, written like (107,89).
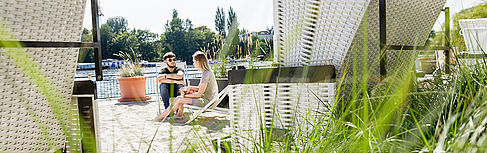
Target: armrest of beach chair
(211,105)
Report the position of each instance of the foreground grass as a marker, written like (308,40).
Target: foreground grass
(398,114)
(441,115)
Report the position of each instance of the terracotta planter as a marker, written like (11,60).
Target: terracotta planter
(132,89)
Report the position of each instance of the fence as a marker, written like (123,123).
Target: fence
(474,32)
(109,88)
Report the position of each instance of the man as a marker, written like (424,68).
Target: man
(171,79)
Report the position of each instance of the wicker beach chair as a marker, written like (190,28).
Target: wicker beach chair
(311,32)
(345,34)
(36,84)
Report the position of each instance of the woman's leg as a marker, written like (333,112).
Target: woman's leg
(178,104)
(180,110)
(181,105)
(166,112)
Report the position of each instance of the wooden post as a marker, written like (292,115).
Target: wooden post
(383,38)
(447,40)
(96,40)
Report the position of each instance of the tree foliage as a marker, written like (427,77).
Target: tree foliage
(116,37)
(220,21)
(106,35)
(86,54)
(232,19)
(119,24)
(479,11)
(180,36)
(175,36)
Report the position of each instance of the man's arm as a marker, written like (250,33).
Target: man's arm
(177,76)
(163,79)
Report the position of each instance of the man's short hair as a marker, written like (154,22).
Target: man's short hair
(168,55)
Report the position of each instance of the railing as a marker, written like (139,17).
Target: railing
(109,87)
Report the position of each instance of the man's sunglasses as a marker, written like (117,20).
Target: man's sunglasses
(171,60)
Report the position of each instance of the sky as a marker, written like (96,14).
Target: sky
(253,15)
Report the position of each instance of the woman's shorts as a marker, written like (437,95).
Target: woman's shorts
(200,102)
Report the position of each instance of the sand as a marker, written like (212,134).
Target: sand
(131,128)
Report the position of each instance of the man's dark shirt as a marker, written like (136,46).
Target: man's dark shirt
(176,70)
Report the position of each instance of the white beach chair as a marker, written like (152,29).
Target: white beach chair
(211,106)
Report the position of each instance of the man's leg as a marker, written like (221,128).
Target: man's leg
(178,86)
(164,89)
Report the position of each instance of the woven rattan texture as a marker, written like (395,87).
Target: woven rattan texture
(365,57)
(253,106)
(400,62)
(289,15)
(28,122)
(409,22)
(313,32)
(336,27)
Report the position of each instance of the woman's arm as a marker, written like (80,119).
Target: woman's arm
(188,89)
(199,93)
(194,88)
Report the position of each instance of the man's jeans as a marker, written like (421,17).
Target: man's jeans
(165,89)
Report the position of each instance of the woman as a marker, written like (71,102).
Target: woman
(203,93)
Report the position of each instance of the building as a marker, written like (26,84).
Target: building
(266,34)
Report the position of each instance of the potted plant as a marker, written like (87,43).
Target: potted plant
(131,78)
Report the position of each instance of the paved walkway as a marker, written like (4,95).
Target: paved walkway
(131,128)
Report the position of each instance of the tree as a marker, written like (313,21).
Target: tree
(220,21)
(106,35)
(86,54)
(119,24)
(231,41)
(123,42)
(200,38)
(175,37)
(148,44)
(232,19)
(188,25)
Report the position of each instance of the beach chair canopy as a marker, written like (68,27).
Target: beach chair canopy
(36,84)
(332,32)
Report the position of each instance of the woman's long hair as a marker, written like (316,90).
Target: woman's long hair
(201,58)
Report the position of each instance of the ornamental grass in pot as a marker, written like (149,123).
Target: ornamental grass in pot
(131,78)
